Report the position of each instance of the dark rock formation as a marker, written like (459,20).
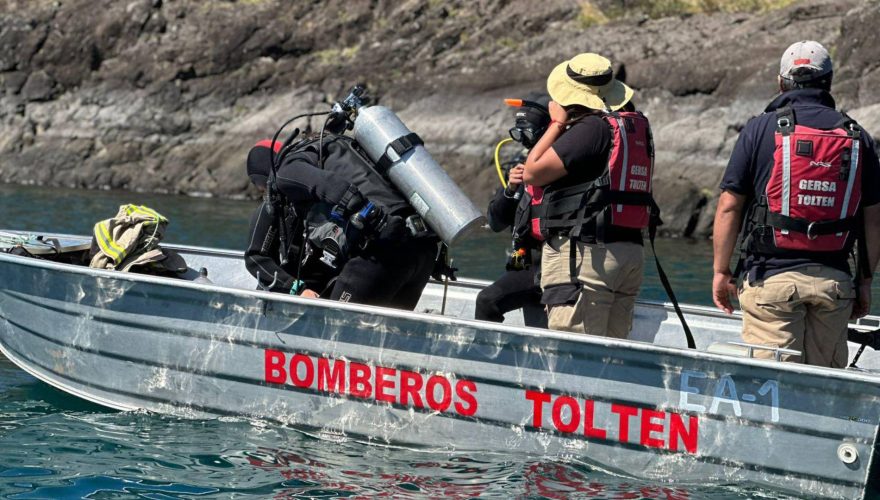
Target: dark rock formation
(168,96)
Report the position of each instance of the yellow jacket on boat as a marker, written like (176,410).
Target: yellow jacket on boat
(132,239)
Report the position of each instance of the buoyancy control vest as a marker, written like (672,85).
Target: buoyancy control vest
(336,242)
(536,211)
(527,220)
(812,198)
(621,196)
(343,156)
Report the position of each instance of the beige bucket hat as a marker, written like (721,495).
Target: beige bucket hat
(588,80)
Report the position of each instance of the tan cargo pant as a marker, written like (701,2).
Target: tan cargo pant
(611,276)
(806,309)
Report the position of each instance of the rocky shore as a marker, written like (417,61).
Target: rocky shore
(168,96)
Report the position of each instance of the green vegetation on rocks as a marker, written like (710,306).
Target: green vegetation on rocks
(595,12)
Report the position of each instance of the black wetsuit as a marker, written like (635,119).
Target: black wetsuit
(515,289)
(395,267)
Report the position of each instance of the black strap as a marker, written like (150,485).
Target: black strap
(602,225)
(664,280)
(866,339)
(574,235)
(847,123)
(809,228)
(744,241)
(572,261)
(863,267)
(283,237)
(351,200)
(785,120)
(628,198)
(591,80)
(575,192)
(400,146)
(655,222)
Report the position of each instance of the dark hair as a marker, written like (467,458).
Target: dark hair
(801,80)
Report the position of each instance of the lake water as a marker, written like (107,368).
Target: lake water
(53,445)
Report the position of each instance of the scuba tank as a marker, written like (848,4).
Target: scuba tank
(400,154)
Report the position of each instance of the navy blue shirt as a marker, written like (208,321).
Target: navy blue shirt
(752,162)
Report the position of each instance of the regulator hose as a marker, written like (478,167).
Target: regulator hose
(498,160)
(275,161)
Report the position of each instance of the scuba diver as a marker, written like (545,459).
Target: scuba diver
(277,270)
(349,219)
(518,206)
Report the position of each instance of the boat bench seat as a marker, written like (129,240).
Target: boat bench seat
(744,350)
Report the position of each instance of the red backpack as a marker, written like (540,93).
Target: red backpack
(630,166)
(814,189)
(621,196)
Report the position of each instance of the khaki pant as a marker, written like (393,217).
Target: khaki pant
(611,276)
(806,309)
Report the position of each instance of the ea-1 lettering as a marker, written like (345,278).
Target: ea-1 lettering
(726,396)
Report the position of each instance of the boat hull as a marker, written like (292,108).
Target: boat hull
(425,380)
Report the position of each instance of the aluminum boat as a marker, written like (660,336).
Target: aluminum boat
(647,407)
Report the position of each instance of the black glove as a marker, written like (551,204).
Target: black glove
(392,232)
(386,233)
(442,267)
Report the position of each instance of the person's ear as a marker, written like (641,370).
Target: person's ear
(779,83)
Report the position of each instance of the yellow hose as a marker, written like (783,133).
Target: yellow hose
(498,161)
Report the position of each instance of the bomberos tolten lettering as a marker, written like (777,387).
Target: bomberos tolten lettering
(382,384)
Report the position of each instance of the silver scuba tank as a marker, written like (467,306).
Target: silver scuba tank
(424,183)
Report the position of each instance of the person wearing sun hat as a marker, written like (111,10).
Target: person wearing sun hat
(588,80)
(590,281)
(797,174)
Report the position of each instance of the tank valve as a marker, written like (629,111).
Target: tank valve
(847,453)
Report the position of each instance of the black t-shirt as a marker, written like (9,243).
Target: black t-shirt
(751,164)
(584,148)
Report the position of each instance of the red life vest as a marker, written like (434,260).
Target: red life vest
(630,166)
(621,196)
(814,188)
(536,211)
